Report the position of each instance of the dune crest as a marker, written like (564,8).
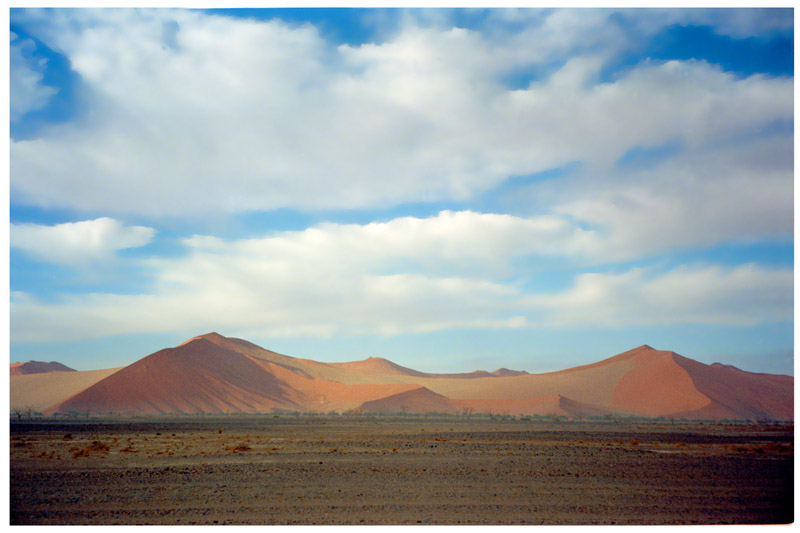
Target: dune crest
(215,374)
(38,367)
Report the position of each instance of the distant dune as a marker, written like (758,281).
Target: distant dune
(40,391)
(216,374)
(38,367)
(377,366)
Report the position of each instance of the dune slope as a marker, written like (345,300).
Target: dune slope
(40,391)
(38,367)
(213,373)
(197,376)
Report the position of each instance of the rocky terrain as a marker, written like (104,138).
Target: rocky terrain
(403,470)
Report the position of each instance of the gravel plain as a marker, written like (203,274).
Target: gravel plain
(399,470)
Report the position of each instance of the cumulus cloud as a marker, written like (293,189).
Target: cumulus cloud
(75,243)
(27,92)
(203,113)
(739,192)
(405,275)
(207,113)
(741,296)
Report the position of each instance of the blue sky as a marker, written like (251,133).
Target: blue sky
(451,189)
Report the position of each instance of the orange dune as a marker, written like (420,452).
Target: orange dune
(322,395)
(417,400)
(656,386)
(197,376)
(740,393)
(217,374)
(378,366)
(201,375)
(38,367)
(422,400)
(40,391)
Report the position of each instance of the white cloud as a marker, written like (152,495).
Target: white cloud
(738,23)
(405,275)
(27,93)
(739,192)
(741,296)
(76,243)
(206,113)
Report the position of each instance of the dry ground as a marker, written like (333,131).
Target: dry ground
(404,470)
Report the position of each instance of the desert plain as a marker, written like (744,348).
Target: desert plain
(370,469)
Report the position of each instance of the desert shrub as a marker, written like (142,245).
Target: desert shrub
(95,447)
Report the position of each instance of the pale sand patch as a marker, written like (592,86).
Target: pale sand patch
(40,391)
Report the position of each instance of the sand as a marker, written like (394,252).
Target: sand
(38,367)
(40,391)
(216,374)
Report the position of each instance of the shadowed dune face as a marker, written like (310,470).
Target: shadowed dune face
(758,396)
(326,395)
(198,376)
(216,374)
(38,367)
(418,400)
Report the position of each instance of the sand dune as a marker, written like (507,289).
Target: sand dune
(657,386)
(378,366)
(213,373)
(40,391)
(197,376)
(38,367)
(740,393)
(422,400)
(323,395)
(417,400)
(203,375)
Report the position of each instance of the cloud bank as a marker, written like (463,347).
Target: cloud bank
(185,115)
(406,275)
(76,243)
(209,113)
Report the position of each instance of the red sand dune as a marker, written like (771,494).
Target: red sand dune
(417,400)
(212,373)
(739,393)
(202,376)
(197,376)
(378,366)
(422,400)
(656,386)
(38,367)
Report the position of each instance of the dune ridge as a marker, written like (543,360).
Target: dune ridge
(216,374)
(38,367)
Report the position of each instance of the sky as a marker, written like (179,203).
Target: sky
(453,189)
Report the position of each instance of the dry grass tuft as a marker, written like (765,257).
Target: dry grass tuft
(94,447)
